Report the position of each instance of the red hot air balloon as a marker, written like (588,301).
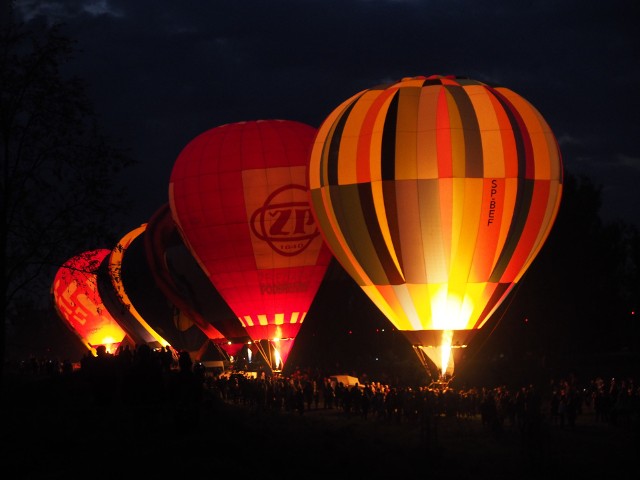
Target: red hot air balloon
(436,194)
(239,198)
(78,302)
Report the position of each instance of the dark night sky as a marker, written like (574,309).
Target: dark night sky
(161,72)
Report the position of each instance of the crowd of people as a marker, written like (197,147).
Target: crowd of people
(142,375)
(559,403)
(162,404)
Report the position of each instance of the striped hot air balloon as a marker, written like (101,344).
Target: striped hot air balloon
(435,194)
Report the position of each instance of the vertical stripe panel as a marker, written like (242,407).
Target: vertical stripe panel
(407,134)
(410,230)
(388,147)
(433,234)
(530,233)
(470,131)
(493,155)
(427,141)
(518,222)
(456,137)
(371,135)
(443,137)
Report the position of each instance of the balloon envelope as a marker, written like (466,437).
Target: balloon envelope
(153,305)
(78,302)
(239,197)
(179,276)
(116,299)
(435,194)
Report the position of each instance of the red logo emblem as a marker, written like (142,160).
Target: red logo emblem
(288,227)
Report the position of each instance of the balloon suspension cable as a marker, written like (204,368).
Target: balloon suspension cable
(269,355)
(426,363)
(264,353)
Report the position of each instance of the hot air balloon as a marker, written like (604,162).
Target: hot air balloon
(178,275)
(78,302)
(112,291)
(435,194)
(152,305)
(238,195)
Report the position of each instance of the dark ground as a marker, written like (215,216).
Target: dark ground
(55,429)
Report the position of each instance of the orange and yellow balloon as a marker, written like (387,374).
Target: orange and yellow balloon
(435,194)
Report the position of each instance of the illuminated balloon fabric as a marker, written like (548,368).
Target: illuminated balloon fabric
(160,237)
(238,195)
(206,300)
(153,305)
(182,280)
(435,194)
(115,298)
(78,302)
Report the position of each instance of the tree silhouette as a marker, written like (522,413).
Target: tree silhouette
(58,170)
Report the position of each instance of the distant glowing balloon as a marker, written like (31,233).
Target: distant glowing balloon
(436,194)
(239,197)
(116,299)
(78,302)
